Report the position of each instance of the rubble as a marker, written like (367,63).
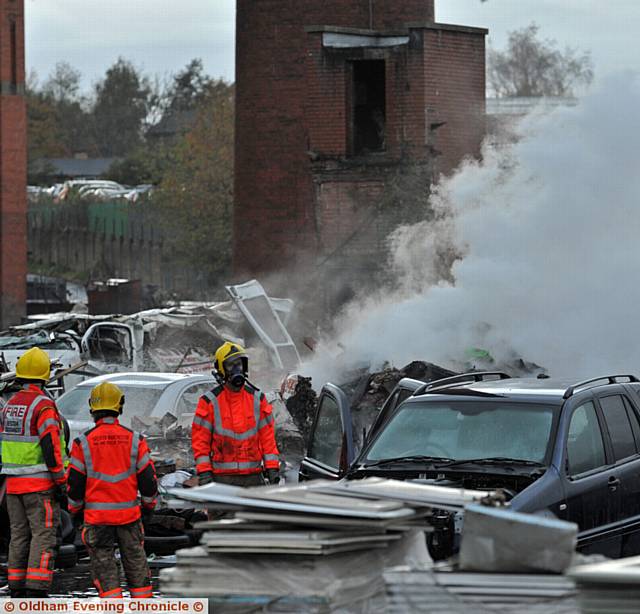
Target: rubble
(179,339)
(366,392)
(359,547)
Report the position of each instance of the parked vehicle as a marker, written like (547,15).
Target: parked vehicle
(555,447)
(146,394)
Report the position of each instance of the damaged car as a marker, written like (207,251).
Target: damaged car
(559,448)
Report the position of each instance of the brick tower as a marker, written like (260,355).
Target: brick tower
(336,101)
(13,165)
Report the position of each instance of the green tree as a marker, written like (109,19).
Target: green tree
(190,87)
(120,108)
(195,198)
(61,91)
(533,67)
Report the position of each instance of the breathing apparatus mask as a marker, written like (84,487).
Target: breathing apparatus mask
(235,373)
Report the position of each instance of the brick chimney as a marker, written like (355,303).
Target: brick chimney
(13,165)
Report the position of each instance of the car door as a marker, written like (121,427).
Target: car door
(590,481)
(330,448)
(109,344)
(621,419)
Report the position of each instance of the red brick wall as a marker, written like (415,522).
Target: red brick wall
(455,92)
(13,165)
(297,195)
(274,217)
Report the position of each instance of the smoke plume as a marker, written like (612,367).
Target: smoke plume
(546,233)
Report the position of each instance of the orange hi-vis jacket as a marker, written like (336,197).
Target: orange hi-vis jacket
(233,432)
(31,417)
(109,465)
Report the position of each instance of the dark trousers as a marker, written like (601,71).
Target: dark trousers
(101,541)
(234,479)
(34,518)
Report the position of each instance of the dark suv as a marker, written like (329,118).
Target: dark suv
(570,449)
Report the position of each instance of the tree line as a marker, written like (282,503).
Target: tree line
(176,135)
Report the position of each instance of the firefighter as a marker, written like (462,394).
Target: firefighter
(233,435)
(33,461)
(109,465)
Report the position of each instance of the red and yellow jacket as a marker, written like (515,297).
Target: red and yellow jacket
(32,448)
(233,432)
(109,465)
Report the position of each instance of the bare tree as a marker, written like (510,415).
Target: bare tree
(534,67)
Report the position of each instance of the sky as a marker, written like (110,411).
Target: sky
(161,36)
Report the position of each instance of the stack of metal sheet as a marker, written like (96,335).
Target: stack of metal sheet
(611,586)
(440,592)
(317,546)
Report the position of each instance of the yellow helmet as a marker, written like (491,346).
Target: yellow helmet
(227,351)
(34,364)
(106,397)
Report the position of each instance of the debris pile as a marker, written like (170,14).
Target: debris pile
(168,438)
(181,339)
(358,546)
(316,547)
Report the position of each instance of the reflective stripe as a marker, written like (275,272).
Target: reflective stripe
(57,474)
(123,505)
(32,409)
(142,463)
(25,470)
(203,423)
(265,421)
(43,574)
(147,499)
(74,503)
(144,592)
(48,521)
(217,420)
(244,465)
(46,424)
(113,593)
(44,560)
(106,477)
(21,438)
(271,457)
(42,475)
(203,459)
(77,464)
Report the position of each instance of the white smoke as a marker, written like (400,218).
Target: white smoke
(548,234)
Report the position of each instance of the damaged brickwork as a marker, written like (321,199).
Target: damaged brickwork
(338,104)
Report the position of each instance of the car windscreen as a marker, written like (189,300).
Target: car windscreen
(463,430)
(74,405)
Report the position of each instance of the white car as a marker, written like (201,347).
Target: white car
(145,394)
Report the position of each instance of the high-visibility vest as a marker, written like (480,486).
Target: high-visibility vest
(110,455)
(238,439)
(21,451)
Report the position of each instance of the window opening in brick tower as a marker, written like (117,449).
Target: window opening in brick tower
(368,114)
(13,46)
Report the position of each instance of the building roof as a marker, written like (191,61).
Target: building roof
(75,167)
(525,105)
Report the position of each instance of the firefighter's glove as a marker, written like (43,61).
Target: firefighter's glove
(147,514)
(206,477)
(273,476)
(60,492)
